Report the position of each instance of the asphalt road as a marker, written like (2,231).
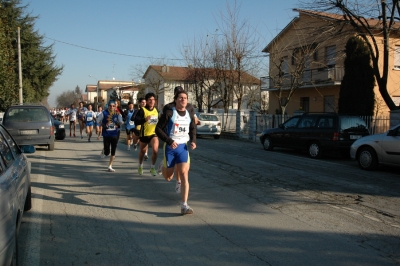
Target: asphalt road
(252,207)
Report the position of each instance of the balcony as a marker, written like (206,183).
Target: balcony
(311,78)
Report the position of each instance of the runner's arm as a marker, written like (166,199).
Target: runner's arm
(162,124)
(139,119)
(192,128)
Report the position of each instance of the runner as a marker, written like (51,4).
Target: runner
(181,128)
(110,120)
(90,116)
(71,114)
(81,118)
(98,123)
(130,127)
(62,114)
(147,117)
(190,109)
(142,103)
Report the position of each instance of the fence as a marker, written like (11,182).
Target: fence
(248,125)
(375,124)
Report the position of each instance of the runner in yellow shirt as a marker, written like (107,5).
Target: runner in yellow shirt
(147,118)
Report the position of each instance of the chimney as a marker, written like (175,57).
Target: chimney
(165,69)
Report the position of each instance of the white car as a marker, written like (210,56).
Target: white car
(373,150)
(208,124)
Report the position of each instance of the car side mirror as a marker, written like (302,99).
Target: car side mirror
(28,149)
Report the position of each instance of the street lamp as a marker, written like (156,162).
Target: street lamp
(97,91)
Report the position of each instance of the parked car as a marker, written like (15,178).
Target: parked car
(208,124)
(15,194)
(30,125)
(373,150)
(59,129)
(317,133)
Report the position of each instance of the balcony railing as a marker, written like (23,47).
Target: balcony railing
(311,77)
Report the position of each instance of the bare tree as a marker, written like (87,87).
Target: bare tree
(241,43)
(357,14)
(65,99)
(290,60)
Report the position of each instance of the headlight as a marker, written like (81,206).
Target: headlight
(61,126)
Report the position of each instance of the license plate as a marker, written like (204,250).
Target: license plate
(28,132)
(355,136)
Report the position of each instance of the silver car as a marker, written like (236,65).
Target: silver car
(208,124)
(373,150)
(15,194)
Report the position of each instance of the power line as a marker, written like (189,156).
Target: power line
(108,52)
(137,56)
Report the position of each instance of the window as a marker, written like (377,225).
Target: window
(291,123)
(285,65)
(306,122)
(330,56)
(13,146)
(5,152)
(325,122)
(329,103)
(305,104)
(397,57)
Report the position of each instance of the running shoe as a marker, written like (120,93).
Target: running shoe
(88,140)
(128,148)
(102,154)
(186,210)
(146,157)
(110,169)
(178,187)
(81,137)
(70,134)
(159,169)
(135,147)
(153,171)
(140,170)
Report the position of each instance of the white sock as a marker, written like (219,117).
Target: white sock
(140,165)
(153,166)
(184,204)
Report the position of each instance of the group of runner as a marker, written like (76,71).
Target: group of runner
(175,126)
(87,119)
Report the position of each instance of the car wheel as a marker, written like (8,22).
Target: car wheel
(14,261)
(51,147)
(367,158)
(314,150)
(267,144)
(216,136)
(28,200)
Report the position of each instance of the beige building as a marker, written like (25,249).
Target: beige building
(163,79)
(307,52)
(126,90)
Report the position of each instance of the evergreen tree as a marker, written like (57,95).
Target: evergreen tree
(39,71)
(8,87)
(357,89)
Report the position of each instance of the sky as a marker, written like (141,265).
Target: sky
(108,39)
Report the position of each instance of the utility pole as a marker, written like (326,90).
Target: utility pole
(19,68)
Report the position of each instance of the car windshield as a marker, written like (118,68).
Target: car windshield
(27,115)
(208,117)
